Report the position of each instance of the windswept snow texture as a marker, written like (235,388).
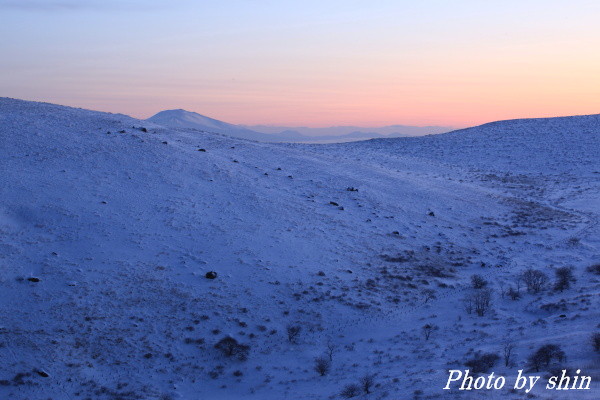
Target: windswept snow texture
(107,231)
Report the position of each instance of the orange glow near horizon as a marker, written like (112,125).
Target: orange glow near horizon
(315,64)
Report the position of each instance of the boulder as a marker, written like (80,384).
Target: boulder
(211,275)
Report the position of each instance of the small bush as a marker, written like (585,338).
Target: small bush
(535,280)
(349,391)
(507,349)
(367,382)
(545,355)
(594,269)
(564,278)
(292,332)
(230,347)
(596,341)
(428,294)
(478,282)
(482,363)
(322,365)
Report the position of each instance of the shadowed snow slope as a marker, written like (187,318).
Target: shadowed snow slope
(107,231)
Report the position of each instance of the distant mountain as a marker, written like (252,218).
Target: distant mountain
(191,120)
(353,132)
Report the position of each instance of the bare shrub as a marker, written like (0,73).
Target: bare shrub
(322,365)
(428,294)
(479,301)
(535,280)
(428,330)
(331,347)
(349,391)
(482,363)
(594,269)
(478,282)
(564,278)
(292,332)
(434,271)
(545,355)
(468,304)
(230,347)
(367,382)
(507,349)
(596,341)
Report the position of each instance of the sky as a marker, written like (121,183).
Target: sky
(307,63)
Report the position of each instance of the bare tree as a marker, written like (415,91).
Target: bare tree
(322,365)
(293,331)
(482,301)
(331,347)
(428,294)
(535,280)
(545,355)
(507,349)
(468,304)
(428,330)
(479,301)
(367,382)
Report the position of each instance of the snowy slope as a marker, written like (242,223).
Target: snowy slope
(120,225)
(544,145)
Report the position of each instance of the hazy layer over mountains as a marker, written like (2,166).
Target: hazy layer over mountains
(263,133)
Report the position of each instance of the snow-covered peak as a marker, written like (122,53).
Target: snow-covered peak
(180,118)
(188,119)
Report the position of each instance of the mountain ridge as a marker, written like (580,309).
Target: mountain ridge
(180,118)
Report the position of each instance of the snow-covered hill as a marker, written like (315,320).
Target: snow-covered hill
(191,120)
(108,226)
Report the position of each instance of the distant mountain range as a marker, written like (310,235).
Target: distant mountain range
(350,132)
(191,120)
